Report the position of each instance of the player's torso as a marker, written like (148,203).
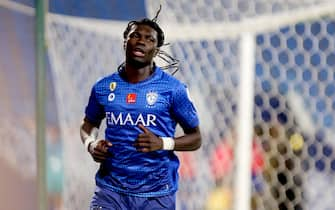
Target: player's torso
(127,105)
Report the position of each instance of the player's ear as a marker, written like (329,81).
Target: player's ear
(124,44)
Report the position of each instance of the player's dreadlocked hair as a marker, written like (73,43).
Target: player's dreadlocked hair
(148,22)
(172,63)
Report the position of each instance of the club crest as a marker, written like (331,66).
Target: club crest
(151,98)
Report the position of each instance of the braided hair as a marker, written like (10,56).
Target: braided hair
(171,63)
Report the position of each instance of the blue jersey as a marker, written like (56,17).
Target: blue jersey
(159,102)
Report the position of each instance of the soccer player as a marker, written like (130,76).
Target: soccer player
(142,105)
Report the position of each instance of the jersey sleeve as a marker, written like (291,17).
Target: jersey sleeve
(183,108)
(94,110)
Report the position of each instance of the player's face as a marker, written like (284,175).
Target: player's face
(141,44)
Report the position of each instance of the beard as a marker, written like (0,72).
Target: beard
(138,63)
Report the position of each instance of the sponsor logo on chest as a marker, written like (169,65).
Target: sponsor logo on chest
(131,98)
(130,119)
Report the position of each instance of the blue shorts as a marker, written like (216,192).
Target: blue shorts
(109,200)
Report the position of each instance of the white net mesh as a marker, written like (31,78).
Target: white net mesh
(207,11)
(294,97)
(294,104)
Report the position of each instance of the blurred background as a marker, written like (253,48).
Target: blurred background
(286,48)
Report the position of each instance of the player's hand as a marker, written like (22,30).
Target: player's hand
(99,150)
(147,141)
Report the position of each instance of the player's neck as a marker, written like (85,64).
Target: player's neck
(136,74)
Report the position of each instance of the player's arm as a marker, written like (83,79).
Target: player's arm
(97,148)
(185,114)
(148,141)
(190,141)
(87,129)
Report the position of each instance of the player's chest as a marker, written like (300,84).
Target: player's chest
(138,98)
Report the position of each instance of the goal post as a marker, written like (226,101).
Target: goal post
(243,150)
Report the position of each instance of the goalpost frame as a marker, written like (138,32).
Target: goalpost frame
(243,154)
(41,183)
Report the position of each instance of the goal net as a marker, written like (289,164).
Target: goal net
(261,74)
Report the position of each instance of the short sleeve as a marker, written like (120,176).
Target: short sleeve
(183,108)
(94,110)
